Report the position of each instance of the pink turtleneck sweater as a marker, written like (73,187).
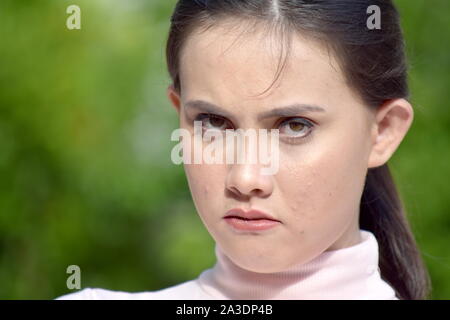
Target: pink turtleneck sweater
(348,273)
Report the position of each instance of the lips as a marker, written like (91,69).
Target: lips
(252,220)
(249,215)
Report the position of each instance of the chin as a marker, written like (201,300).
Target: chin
(266,263)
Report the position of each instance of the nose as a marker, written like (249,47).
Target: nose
(246,180)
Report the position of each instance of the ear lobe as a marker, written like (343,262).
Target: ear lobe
(393,120)
(174,98)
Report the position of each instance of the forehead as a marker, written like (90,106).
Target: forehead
(231,65)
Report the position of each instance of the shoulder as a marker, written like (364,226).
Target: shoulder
(95,294)
(189,290)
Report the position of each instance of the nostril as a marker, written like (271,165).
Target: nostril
(254,192)
(236,191)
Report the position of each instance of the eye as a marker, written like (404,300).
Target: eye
(296,128)
(211,121)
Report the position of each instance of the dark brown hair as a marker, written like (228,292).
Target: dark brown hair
(374,64)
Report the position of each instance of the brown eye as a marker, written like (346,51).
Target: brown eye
(210,121)
(296,127)
(216,121)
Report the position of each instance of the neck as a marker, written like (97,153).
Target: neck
(346,273)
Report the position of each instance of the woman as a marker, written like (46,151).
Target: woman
(329,223)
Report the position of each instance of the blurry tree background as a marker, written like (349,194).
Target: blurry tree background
(85,170)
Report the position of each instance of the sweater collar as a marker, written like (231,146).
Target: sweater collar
(346,273)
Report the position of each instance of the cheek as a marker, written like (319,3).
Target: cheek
(203,179)
(206,182)
(324,180)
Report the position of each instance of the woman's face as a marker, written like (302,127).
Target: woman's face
(317,190)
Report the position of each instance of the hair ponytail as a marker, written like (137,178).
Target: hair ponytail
(382,213)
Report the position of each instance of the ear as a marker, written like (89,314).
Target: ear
(392,121)
(174,98)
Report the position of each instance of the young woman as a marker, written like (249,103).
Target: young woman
(329,224)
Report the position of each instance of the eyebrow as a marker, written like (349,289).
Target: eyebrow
(286,111)
(290,110)
(207,107)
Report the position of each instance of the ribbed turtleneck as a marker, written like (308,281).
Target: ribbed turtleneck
(349,273)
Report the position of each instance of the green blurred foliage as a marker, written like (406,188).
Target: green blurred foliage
(423,159)
(85,170)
